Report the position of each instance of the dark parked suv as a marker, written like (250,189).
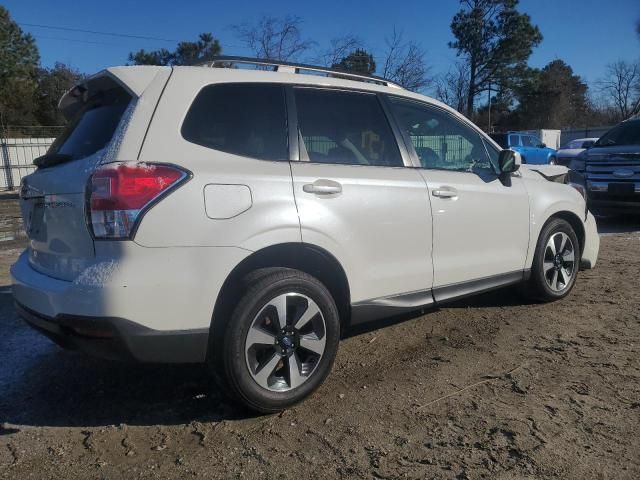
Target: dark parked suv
(611,170)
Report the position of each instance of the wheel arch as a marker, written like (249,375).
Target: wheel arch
(573,220)
(308,258)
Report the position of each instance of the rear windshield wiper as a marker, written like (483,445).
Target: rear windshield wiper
(51,159)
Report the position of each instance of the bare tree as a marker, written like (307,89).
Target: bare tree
(404,63)
(621,87)
(339,48)
(275,38)
(452,87)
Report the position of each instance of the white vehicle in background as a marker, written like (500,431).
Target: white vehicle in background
(246,218)
(572,149)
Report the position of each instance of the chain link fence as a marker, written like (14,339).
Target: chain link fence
(19,146)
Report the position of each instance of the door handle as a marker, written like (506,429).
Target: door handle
(445,192)
(322,187)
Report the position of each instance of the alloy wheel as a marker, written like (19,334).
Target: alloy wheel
(559,262)
(285,342)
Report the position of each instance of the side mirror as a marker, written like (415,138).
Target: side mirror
(509,161)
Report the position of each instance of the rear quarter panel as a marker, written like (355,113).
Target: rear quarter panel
(181,218)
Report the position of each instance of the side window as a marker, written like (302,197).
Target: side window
(440,140)
(345,128)
(514,140)
(527,141)
(242,119)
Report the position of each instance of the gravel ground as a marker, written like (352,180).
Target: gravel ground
(486,388)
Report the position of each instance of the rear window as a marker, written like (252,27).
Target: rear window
(93,125)
(243,119)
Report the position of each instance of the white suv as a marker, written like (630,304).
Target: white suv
(245,218)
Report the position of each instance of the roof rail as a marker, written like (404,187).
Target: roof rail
(289,67)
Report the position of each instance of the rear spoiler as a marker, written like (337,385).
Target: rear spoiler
(133,79)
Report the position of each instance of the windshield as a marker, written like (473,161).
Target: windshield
(627,133)
(92,126)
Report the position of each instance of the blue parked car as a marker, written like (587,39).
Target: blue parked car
(530,147)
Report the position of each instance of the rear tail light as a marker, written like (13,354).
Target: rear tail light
(120,193)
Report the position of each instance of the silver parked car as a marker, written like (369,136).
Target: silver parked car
(572,149)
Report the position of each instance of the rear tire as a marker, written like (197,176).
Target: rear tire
(555,263)
(268,362)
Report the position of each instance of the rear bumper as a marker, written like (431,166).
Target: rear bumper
(119,339)
(147,304)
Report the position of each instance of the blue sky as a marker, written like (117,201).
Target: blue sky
(587,34)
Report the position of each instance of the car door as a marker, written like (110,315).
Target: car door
(524,149)
(480,224)
(358,200)
(516,144)
(540,151)
(532,151)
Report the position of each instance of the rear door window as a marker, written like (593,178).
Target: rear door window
(243,119)
(345,128)
(514,140)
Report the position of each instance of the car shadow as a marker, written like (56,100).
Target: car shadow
(44,385)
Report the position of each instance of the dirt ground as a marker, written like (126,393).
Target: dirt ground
(486,388)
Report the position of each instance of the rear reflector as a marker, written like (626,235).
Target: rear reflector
(120,193)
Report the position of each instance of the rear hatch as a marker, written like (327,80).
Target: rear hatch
(53,197)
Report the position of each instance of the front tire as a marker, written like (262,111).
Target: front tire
(556,261)
(281,341)
(553,161)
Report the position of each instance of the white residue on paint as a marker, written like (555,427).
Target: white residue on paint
(113,148)
(97,275)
